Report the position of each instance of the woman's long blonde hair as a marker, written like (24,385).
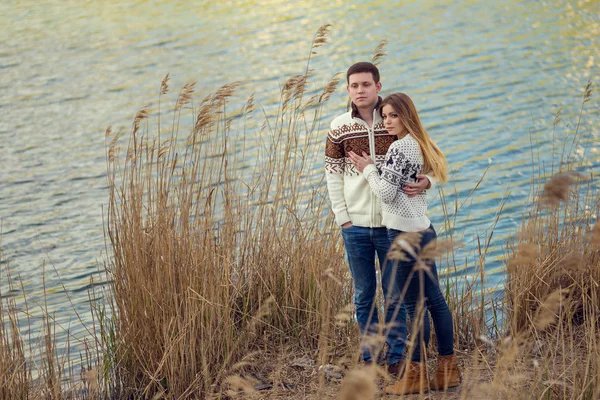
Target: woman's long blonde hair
(435,163)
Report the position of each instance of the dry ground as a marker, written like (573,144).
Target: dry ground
(298,377)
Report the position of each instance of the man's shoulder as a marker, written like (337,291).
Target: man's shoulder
(344,125)
(342,119)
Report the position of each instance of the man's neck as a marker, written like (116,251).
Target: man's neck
(366,114)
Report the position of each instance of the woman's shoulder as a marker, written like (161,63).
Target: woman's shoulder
(406,148)
(408,142)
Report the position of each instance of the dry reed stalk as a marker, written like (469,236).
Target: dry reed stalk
(15,374)
(556,190)
(208,263)
(31,370)
(380,52)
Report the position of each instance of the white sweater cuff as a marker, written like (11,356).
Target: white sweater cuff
(342,217)
(369,169)
(431,180)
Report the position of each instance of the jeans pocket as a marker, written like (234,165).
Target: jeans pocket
(347,231)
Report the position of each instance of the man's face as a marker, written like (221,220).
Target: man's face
(363,90)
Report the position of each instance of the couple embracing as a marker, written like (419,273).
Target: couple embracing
(379,161)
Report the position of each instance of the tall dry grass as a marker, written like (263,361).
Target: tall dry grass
(210,262)
(33,363)
(552,296)
(15,374)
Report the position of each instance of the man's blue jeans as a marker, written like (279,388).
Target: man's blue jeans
(362,245)
(418,286)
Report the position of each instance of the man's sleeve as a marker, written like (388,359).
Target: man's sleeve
(334,174)
(432,181)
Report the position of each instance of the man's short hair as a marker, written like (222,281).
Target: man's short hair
(363,67)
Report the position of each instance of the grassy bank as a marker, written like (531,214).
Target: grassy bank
(229,279)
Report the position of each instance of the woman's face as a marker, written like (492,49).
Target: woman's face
(392,122)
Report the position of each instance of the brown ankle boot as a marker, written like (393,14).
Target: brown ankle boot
(414,380)
(447,374)
(395,370)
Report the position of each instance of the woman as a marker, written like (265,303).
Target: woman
(413,153)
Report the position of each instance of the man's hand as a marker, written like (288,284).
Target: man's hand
(346,225)
(413,189)
(360,162)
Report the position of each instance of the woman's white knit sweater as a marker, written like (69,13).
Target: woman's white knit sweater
(403,162)
(350,195)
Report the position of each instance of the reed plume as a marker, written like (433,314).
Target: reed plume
(380,52)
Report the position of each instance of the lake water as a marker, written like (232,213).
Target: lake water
(487,77)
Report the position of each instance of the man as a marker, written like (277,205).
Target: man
(358,211)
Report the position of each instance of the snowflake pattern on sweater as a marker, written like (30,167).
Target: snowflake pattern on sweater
(403,162)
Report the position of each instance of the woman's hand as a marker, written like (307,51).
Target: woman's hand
(360,161)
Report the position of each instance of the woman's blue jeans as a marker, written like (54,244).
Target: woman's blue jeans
(362,245)
(421,292)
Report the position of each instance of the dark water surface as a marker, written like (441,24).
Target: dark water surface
(488,78)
